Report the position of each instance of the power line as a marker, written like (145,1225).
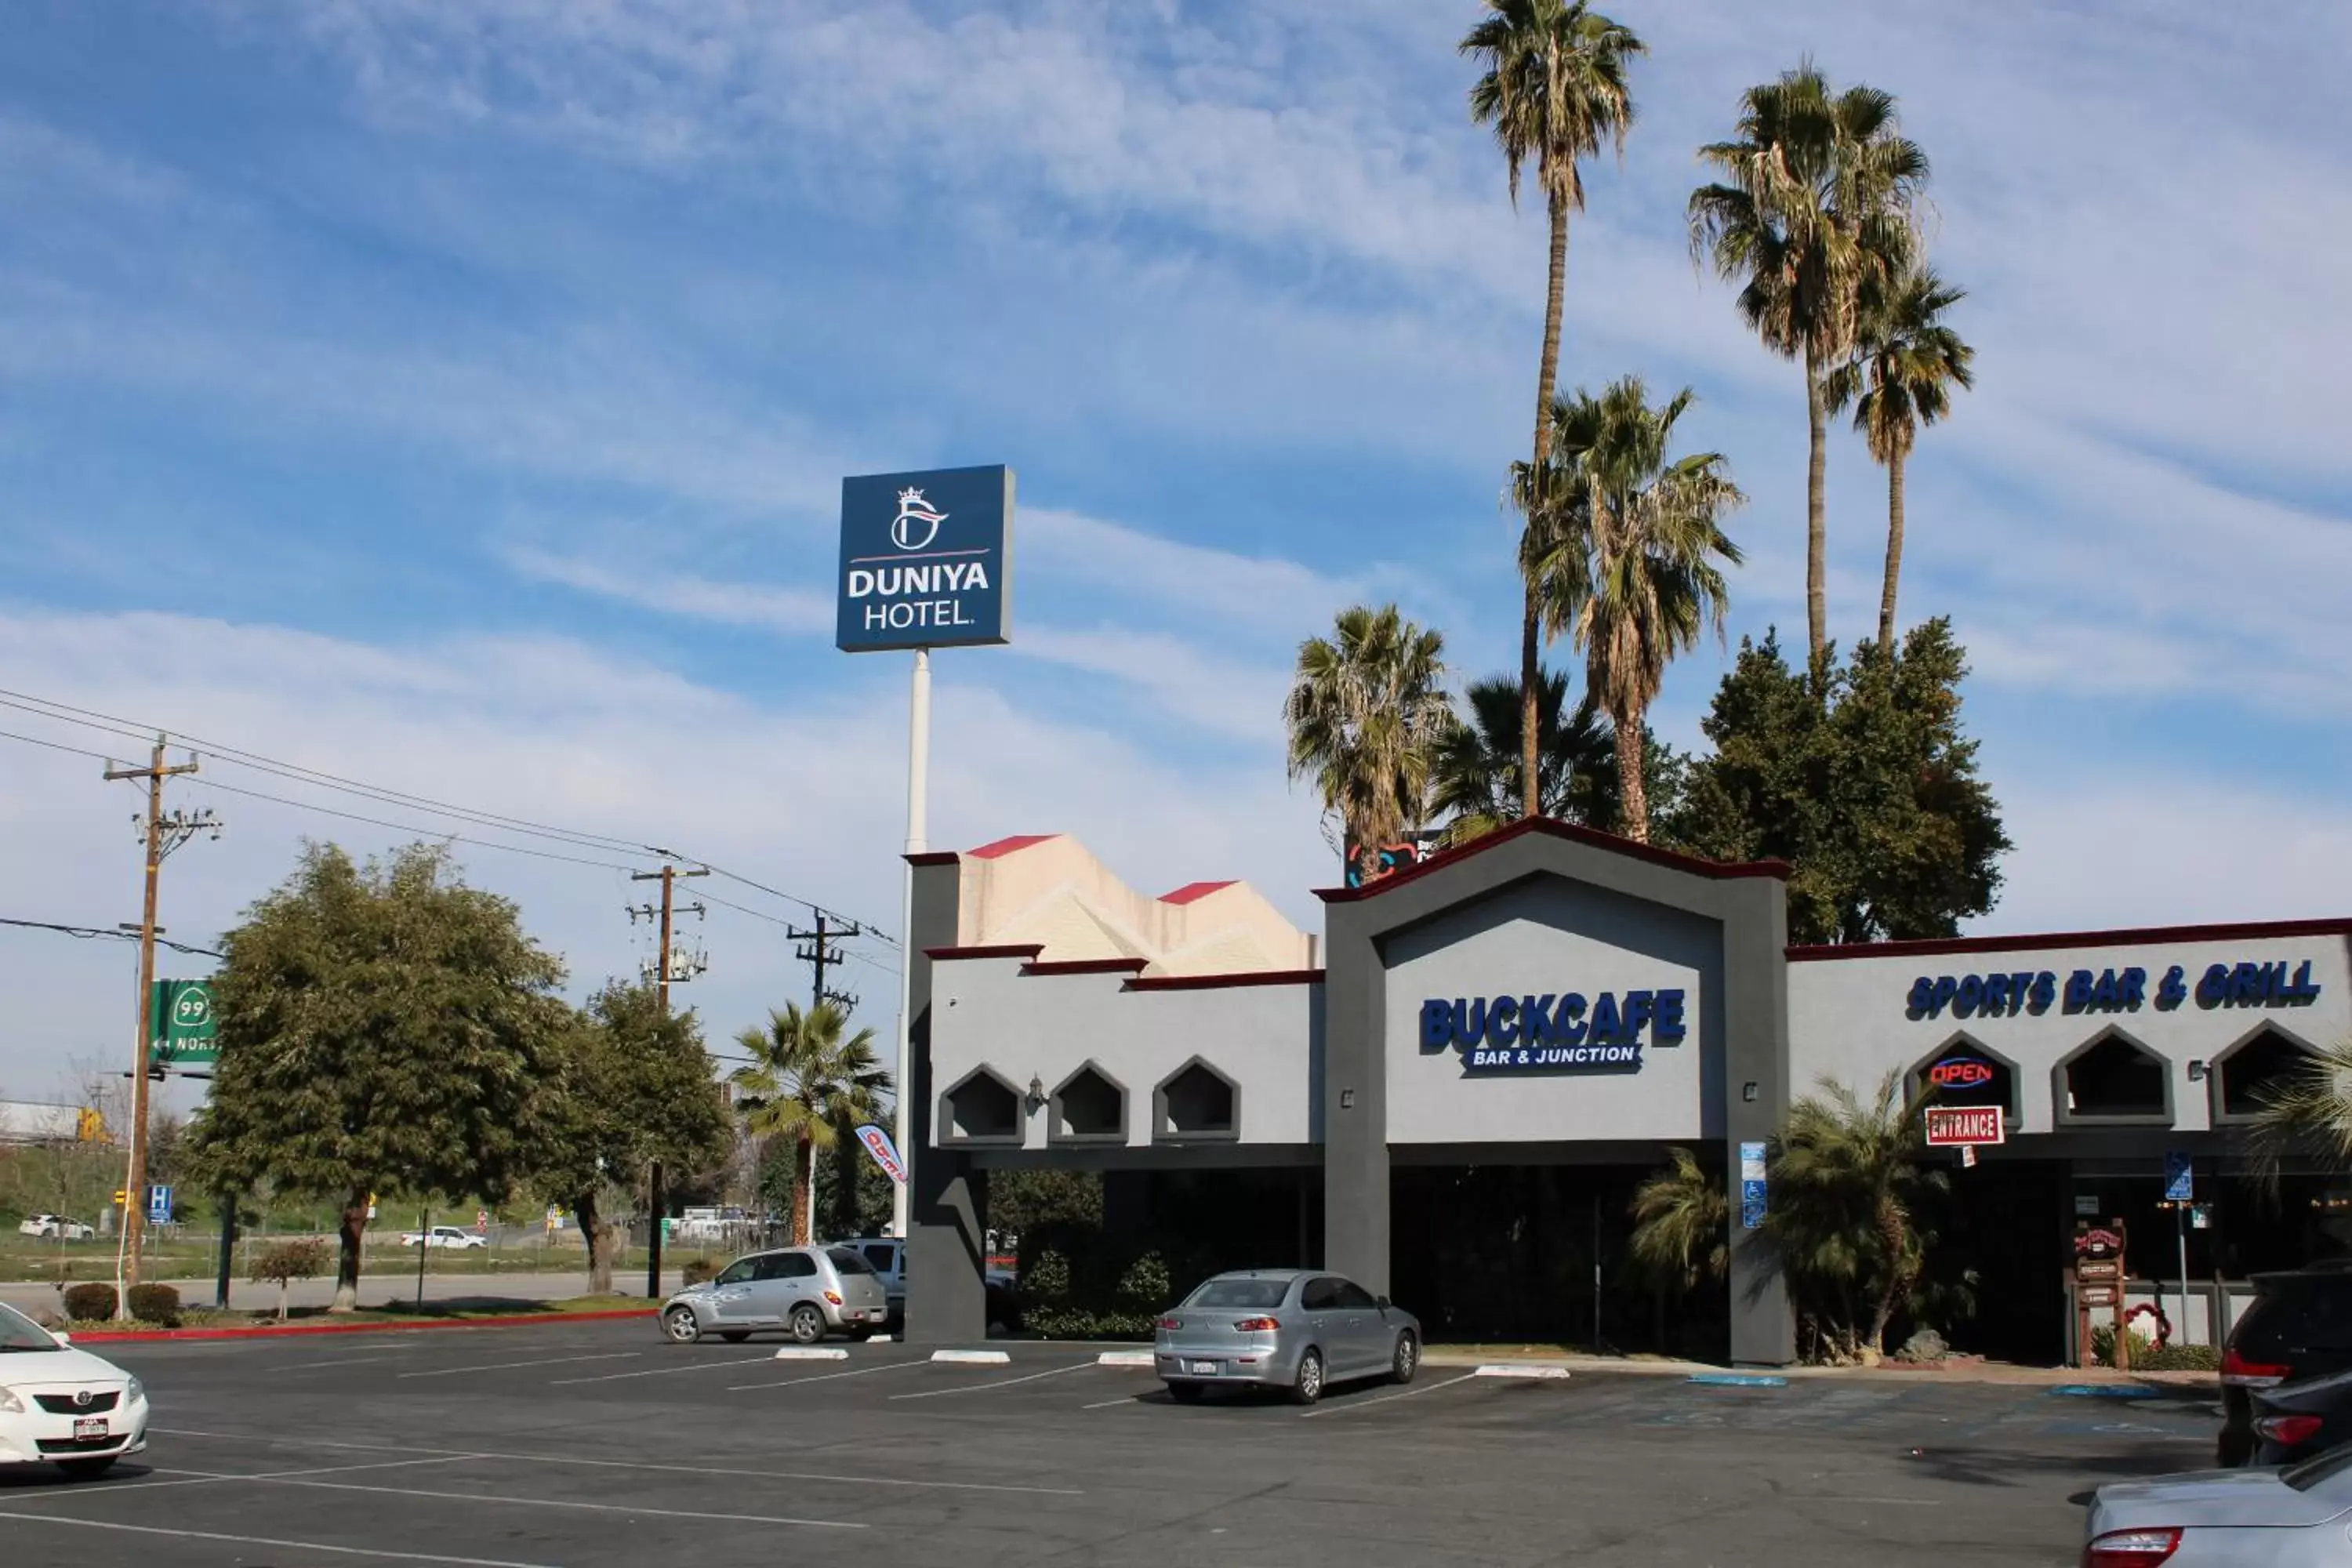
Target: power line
(410,827)
(87,932)
(36,740)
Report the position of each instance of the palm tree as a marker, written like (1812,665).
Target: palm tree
(806,1083)
(1364,713)
(1814,200)
(1626,552)
(1553,86)
(1681,1223)
(1475,777)
(2311,1106)
(1905,362)
(1847,1187)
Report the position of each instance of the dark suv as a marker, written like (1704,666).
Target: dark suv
(2298,1326)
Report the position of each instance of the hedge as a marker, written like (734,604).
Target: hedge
(157,1304)
(90,1303)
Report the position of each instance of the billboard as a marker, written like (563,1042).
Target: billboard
(926,560)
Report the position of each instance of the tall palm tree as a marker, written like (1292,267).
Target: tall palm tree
(1366,708)
(1474,776)
(1552,87)
(1681,1223)
(2308,1107)
(1848,1184)
(1814,200)
(805,1082)
(1627,550)
(1905,361)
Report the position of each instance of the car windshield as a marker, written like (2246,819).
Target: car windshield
(2324,1475)
(19,1332)
(1240,1293)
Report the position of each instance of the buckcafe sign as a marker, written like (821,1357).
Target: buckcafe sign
(1554,1032)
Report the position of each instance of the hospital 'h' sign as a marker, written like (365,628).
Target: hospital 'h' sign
(926,559)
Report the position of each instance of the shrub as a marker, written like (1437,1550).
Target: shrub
(2145,1357)
(283,1262)
(696,1271)
(1079,1323)
(1047,1279)
(157,1304)
(1144,1286)
(90,1303)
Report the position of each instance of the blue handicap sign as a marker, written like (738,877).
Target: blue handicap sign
(2179,1178)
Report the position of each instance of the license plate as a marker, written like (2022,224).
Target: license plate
(1202,1368)
(88,1426)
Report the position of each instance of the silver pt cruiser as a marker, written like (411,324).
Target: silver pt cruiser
(1293,1328)
(807,1291)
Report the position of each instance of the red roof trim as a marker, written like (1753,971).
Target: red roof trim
(1191,892)
(1087,966)
(2244,931)
(1012,950)
(1007,846)
(1553,828)
(1219,982)
(934,857)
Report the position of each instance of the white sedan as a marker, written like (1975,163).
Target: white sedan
(56,1226)
(2293,1517)
(445,1235)
(63,1407)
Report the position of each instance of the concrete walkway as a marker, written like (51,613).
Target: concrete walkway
(375,1289)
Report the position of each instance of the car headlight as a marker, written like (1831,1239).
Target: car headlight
(10,1403)
(134,1392)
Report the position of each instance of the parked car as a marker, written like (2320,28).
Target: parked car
(887,1256)
(63,1407)
(56,1227)
(445,1235)
(2298,1326)
(2293,1518)
(807,1291)
(2301,1420)
(1292,1328)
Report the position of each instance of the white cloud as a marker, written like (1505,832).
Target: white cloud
(792,612)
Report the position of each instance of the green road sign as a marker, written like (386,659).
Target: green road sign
(181,1030)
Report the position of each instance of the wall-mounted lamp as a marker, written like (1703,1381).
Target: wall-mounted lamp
(1747,1090)
(2197,1070)
(1036,1092)
(1347,1099)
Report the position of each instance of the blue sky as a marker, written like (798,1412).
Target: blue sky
(455,397)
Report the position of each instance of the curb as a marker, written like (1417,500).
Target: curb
(1127,1358)
(811,1353)
(287,1330)
(973,1358)
(1521,1369)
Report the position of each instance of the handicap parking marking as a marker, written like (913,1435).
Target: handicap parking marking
(1383,1398)
(996,1382)
(378,1553)
(511,1365)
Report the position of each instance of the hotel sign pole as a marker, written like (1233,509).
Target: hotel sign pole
(925,562)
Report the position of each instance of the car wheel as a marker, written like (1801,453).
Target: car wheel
(1308,1388)
(807,1324)
(1407,1359)
(734,1336)
(1186,1393)
(86,1469)
(681,1325)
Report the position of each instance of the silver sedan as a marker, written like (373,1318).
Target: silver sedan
(2293,1518)
(1299,1330)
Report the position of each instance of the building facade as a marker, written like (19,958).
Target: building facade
(1451,1092)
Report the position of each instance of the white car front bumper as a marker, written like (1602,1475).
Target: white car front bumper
(42,1436)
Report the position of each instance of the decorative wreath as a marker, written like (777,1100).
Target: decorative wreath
(2160,1325)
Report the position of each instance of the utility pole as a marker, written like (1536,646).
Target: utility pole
(164,834)
(821,949)
(654,1202)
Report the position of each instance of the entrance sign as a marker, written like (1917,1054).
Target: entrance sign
(180,1028)
(1951,1126)
(886,1153)
(926,560)
(1553,1032)
(1751,1186)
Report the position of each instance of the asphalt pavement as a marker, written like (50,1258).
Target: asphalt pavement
(597,1445)
(377,1286)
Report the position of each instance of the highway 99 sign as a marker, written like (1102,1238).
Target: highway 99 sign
(926,559)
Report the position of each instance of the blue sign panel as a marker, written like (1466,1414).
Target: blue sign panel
(1751,1186)
(159,1205)
(2179,1178)
(926,559)
(1553,1033)
(2279,983)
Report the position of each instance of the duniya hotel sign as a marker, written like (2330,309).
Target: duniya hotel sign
(926,559)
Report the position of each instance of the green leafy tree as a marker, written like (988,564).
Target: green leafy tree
(1681,1223)
(1020,1202)
(1865,783)
(1907,361)
(1475,773)
(1848,1186)
(631,1086)
(852,1192)
(1553,86)
(1366,710)
(806,1083)
(1627,546)
(1812,201)
(382,1027)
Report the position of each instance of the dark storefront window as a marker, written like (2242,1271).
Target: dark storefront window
(2115,1076)
(2257,1068)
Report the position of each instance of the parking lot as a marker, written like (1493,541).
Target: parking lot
(576,1445)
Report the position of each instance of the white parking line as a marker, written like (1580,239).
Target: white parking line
(341,1361)
(1384,1398)
(636,1509)
(1106,1404)
(511,1366)
(1000,1382)
(713,1470)
(734,1363)
(827,1376)
(268,1540)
